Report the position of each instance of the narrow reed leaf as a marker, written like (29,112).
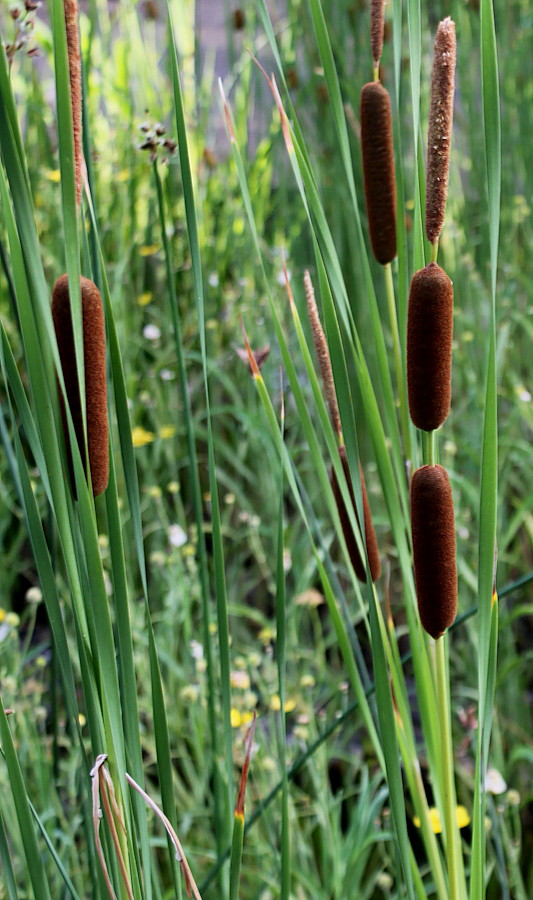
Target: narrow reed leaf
(378,170)
(433,533)
(34,862)
(440,128)
(370,535)
(95,375)
(5,858)
(429,347)
(238,819)
(322,353)
(377,27)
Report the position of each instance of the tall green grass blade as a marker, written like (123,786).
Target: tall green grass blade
(34,863)
(489,463)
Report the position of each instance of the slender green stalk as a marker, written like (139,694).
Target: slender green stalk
(400,373)
(451,831)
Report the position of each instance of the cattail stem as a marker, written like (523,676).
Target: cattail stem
(449,800)
(398,363)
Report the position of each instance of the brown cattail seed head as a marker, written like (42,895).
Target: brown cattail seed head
(95,375)
(378,170)
(322,353)
(429,347)
(377,28)
(433,533)
(74,68)
(440,128)
(370,534)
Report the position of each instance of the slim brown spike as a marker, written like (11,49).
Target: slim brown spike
(378,170)
(429,347)
(440,128)
(433,533)
(370,534)
(74,67)
(95,375)
(377,28)
(322,352)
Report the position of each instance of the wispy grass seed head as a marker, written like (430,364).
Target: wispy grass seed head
(440,128)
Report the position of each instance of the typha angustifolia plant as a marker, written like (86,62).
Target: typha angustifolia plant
(326,372)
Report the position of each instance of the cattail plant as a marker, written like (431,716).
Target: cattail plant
(433,531)
(74,67)
(95,376)
(440,128)
(378,170)
(377,28)
(429,347)
(324,363)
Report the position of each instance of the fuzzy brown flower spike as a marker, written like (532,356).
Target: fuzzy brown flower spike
(433,533)
(370,535)
(378,170)
(377,27)
(74,68)
(429,347)
(440,128)
(95,376)
(322,353)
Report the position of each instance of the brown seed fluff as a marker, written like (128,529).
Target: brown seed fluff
(322,353)
(378,170)
(95,375)
(433,533)
(74,68)
(429,347)
(370,534)
(440,128)
(377,28)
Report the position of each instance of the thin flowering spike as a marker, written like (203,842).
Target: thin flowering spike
(440,128)
(433,533)
(377,27)
(378,170)
(74,67)
(322,352)
(95,375)
(429,347)
(346,525)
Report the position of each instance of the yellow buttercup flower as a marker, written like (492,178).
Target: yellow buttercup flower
(140,437)
(461,815)
(167,431)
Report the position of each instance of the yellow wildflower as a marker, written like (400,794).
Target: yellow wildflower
(140,437)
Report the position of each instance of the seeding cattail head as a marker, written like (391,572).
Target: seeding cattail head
(429,347)
(378,170)
(440,128)
(74,68)
(95,376)
(322,352)
(377,28)
(433,533)
(349,536)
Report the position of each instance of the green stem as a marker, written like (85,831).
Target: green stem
(434,251)
(396,344)
(428,447)
(451,831)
